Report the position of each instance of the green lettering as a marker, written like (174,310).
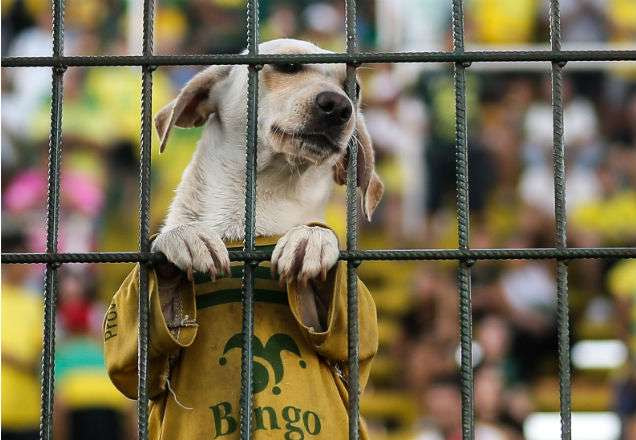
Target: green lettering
(110,326)
(292,415)
(260,423)
(316,422)
(109,334)
(223,412)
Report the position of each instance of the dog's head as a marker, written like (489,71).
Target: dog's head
(304,114)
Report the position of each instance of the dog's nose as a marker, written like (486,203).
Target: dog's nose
(333,108)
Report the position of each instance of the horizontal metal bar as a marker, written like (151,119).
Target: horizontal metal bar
(363,57)
(362,255)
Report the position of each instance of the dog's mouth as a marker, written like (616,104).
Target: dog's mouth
(315,143)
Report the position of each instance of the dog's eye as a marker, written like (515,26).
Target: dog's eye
(288,68)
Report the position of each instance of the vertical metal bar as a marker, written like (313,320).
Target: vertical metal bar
(463,217)
(144,220)
(563,318)
(352,234)
(250,225)
(52,223)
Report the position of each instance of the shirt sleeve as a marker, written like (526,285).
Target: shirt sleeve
(332,342)
(121,329)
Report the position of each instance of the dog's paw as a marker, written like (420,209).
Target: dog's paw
(194,247)
(305,252)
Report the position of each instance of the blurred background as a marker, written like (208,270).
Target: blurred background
(414,390)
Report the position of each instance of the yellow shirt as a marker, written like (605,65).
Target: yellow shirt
(298,390)
(503,21)
(21,341)
(623,16)
(613,218)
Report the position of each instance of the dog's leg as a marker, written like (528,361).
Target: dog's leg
(305,255)
(194,247)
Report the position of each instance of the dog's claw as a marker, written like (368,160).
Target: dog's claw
(194,247)
(212,273)
(304,253)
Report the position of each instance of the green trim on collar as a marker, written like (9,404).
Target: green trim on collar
(212,299)
(263,273)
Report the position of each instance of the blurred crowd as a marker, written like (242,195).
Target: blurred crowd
(414,391)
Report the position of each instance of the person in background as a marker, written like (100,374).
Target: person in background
(397,123)
(493,22)
(87,405)
(21,346)
(443,406)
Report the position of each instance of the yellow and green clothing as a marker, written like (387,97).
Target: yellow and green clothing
(21,351)
(81,381)
(194,370)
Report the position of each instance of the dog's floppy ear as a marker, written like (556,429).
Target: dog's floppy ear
(195,102)
(369,182)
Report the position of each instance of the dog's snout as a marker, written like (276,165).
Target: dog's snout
(333,108)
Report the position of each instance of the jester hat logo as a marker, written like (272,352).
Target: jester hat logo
(270,353)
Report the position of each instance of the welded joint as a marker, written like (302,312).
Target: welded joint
(356,263)
(255,67)
(560,63)
(468,262)
(463,64)
(55,264)
(354,62)
(60,69)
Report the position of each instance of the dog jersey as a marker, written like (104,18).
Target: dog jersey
(299,374)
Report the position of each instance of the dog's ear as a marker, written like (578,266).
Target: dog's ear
(369,182)
(195,102)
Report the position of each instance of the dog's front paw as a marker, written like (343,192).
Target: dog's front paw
(194,247)
(305,252)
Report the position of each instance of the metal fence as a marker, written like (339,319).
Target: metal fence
(464,255)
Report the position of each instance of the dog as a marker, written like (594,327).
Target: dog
(305,122)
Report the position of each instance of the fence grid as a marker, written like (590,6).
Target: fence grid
(464,255)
